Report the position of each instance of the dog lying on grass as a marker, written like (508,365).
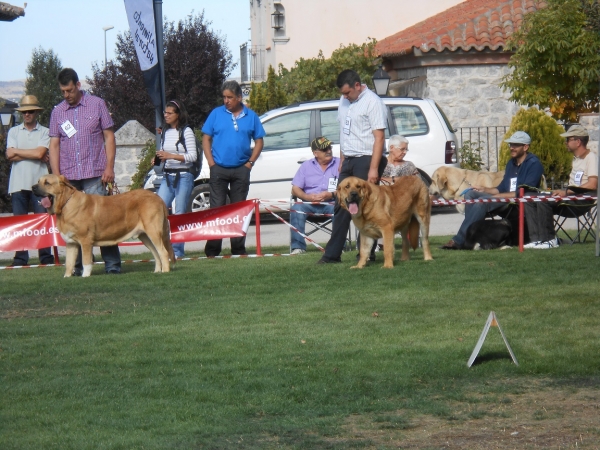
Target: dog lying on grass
(85,220)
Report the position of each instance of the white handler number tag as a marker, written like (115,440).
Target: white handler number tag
(513,184)
(332,185)
(68,128)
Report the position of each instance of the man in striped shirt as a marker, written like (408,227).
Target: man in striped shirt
(363,119)
(83,148)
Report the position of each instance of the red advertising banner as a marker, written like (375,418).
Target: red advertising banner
(29,232)
(36,231)
(216,223)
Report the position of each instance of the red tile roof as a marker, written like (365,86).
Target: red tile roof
(473,24)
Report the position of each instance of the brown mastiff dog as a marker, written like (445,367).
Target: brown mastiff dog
(86,220)
(449,182)
(381,211)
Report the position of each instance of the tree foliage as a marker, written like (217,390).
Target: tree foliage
(314,78)
(556,63)
(197,62)
(42,71)
(269,95)
(546,143)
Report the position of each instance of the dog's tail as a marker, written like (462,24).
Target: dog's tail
(166,236)
(413,232)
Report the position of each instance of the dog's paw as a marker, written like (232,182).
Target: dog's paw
(357,267)
(387,266)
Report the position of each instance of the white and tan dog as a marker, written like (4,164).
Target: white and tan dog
(449,182)
(85,220)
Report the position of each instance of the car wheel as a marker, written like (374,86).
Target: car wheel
(200,198)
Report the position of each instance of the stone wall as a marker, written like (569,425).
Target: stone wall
(591,122)
(471,95)
(131,139)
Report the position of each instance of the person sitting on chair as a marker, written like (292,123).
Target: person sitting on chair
(523,168)
(315,181)
(396,166)
(584,173)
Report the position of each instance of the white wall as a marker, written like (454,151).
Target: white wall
(313,25)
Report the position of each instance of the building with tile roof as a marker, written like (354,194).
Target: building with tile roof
(457,58)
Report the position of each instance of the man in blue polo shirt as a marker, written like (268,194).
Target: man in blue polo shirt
(228,133)
(315,181)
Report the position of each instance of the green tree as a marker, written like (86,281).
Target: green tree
(42,72)
(314,78)
(197,62)
(267,95)
(546,143)
(556,63)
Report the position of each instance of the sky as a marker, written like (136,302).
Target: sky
(73,29)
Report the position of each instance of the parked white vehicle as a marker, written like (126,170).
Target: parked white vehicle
(290,130)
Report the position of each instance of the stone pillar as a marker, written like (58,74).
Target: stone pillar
(131,139)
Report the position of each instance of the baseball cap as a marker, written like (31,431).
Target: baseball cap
(320,143)
(519,137)
(576,131)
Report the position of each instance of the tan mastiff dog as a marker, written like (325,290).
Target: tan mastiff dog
(449,182)
(86,220)
(382,211)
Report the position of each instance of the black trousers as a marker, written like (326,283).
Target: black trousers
(351,167)
(233,182)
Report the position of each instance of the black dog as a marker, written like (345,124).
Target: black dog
(490,234)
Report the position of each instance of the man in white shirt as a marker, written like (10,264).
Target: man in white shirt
(27,149)
(363,119)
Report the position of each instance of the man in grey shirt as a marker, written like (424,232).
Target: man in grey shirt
(27,149)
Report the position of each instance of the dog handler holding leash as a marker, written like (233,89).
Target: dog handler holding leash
(363,120)
(83,149)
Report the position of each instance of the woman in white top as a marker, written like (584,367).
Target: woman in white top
(178,182)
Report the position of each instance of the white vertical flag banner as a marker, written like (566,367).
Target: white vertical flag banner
(142,27)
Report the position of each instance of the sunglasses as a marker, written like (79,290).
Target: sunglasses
(29,112)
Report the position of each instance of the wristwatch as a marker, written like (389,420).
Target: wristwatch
(251,163)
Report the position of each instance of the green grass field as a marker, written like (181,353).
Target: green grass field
(278,352)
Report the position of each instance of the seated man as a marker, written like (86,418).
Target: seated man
(315,181)
(523,168)
(584,173)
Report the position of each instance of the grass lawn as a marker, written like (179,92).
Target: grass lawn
(278,352)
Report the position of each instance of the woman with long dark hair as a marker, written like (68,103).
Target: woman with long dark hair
(178,182)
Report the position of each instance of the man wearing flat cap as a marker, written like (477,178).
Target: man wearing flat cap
(27,150)
(523,168)
(584,172)
(315,181)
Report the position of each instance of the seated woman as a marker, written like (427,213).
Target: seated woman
(397,167)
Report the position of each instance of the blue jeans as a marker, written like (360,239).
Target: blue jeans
(20,205)
(180,192)
(473,213)
(299,220)
(110,254)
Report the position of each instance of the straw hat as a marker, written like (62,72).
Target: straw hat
(29,103)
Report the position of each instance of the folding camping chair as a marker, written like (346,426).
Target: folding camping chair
(584,211)
(315,224)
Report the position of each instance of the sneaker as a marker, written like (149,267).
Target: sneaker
(297,251)
(532,244)
(553,243)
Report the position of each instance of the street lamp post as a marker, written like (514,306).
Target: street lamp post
(109,27)
(381,80)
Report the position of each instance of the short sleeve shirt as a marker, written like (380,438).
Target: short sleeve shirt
(82,155)
(26,173)
(312,179)
(232,136)
(583,169)
(358,120)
